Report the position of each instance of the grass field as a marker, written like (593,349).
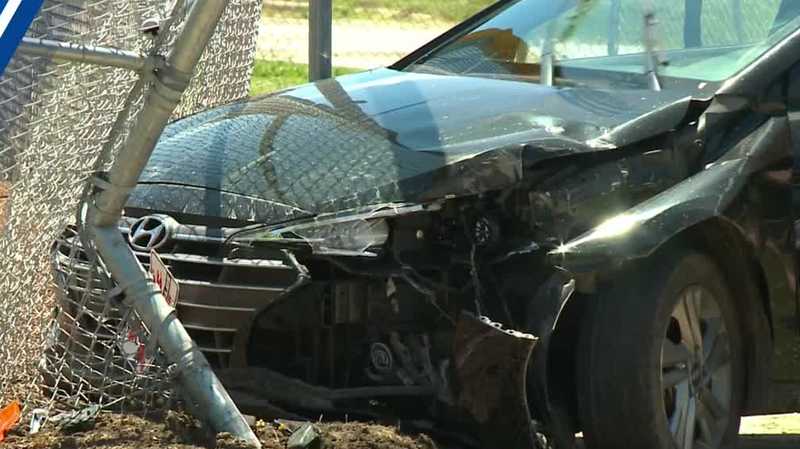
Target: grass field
(269,76)
(379,10)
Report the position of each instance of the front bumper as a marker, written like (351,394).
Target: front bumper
(219,296)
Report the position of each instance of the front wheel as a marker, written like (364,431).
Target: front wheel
(660,361)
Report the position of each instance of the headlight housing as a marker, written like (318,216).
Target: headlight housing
(356,232)
(342,238)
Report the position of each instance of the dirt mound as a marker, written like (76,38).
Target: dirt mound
(174,431)
(178,431)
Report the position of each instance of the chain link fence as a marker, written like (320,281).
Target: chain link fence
(58,126)
(70,343)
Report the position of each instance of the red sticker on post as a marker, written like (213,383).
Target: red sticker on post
(164,279)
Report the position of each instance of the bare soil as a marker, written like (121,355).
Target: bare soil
(179,431)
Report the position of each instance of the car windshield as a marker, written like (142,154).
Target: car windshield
(609,41)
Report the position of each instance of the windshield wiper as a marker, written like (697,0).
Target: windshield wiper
(547,63)
(652,59)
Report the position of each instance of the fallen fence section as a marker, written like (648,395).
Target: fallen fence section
(81,106)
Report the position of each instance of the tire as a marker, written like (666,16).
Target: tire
(636,343)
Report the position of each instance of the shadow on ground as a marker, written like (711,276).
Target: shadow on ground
(770,442)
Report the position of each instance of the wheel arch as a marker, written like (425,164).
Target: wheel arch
(747,279)
(726,245)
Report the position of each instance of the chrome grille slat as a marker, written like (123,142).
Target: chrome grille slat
(199,327)
(218,320)
(223,286)
(215,350)
(196,258)
(209,294)
(221,308)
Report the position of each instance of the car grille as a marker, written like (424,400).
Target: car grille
(219,296)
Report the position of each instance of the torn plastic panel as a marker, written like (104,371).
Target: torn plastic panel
(491,365)
(541,318)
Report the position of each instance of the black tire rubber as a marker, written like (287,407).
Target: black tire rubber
(620,400)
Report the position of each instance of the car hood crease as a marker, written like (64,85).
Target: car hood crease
(392,137)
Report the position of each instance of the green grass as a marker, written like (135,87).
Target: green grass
(443,10)
(451,11)
(269,76)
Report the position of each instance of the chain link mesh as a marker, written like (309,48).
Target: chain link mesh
(56,122)
(366,34)
(377,33)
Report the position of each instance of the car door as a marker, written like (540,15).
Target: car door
(783,97)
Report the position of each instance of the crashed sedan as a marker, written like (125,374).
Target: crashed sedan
(558,217)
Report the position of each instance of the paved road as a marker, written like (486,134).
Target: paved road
(770,442)
(771,432)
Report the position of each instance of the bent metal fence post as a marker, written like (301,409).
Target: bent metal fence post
(165,79)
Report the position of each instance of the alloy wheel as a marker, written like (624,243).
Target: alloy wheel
(696,371)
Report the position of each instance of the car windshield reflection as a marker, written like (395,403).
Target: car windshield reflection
(586,42)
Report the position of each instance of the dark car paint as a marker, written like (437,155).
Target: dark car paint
(746,192)
(387,137)
(750,134)
(417,129)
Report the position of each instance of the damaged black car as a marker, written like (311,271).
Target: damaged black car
(558,217)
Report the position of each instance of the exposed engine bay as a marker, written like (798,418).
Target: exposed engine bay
(441,321)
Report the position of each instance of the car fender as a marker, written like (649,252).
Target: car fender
(714,192)
(748,193)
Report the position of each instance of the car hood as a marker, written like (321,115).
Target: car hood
(392,137)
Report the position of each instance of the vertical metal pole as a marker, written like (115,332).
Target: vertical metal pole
(738,20)
(169,81)
(651,56)
(693,24)
(547,65)
(614,17)
(320,32)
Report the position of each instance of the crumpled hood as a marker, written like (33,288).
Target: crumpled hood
(386,136)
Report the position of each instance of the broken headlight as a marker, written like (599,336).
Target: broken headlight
(344,238)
